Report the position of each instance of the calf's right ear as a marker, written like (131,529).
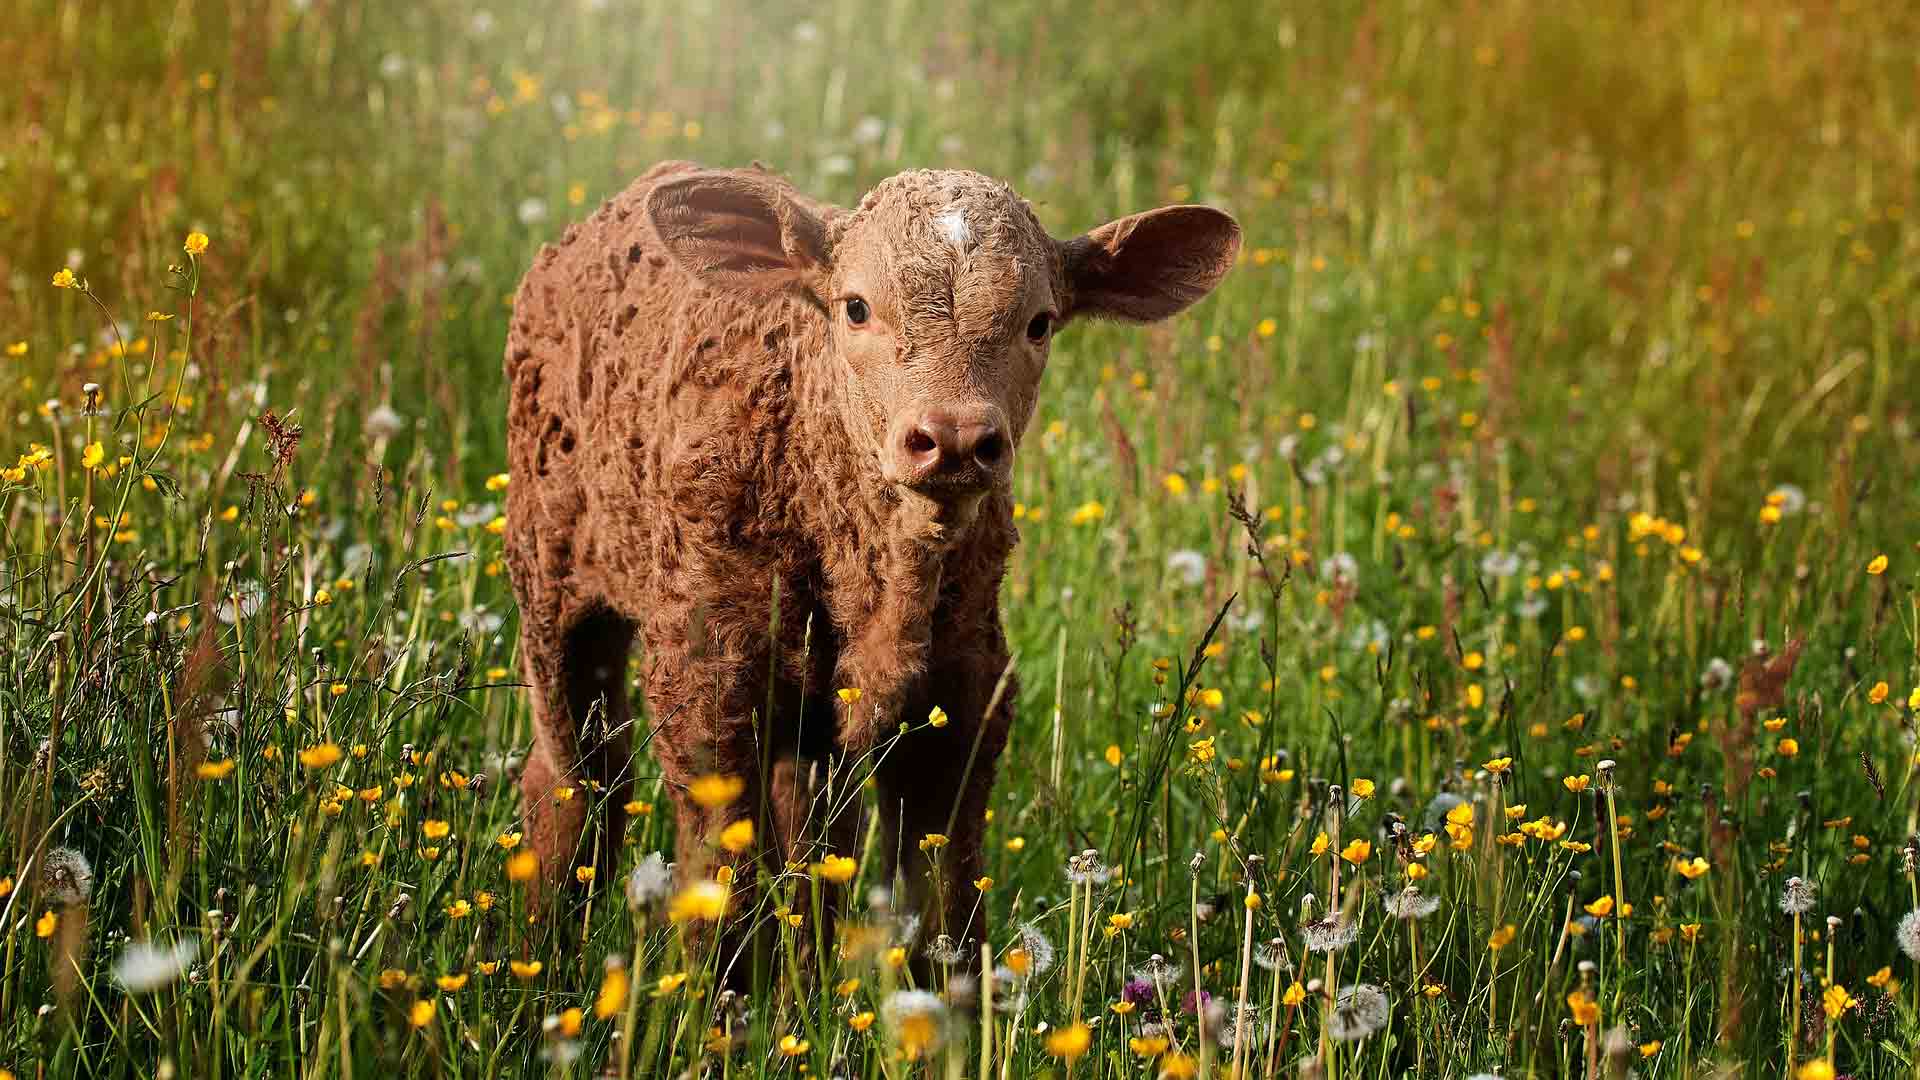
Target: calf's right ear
(738,229)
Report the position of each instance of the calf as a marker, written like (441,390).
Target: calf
(772,439)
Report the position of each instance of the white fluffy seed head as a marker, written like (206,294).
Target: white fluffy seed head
(1908,935)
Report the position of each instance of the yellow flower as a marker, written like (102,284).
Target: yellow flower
(1295,995)
(1178,1067)
(1363,789)
(1881,978)
(1498,765)
(435,829)
(522,865)
(320,756)
(1577,784)
(420,1014)
(669,984)
(1175,484)
(214,770)
(1789,747)
(508,840)
(794,1045)
(1070,1042)
(1817,1069)
(1648,1049)
(451,983)
(1877,566)
(1357,851)
(196,243)
(64,279)
(714,792)
(704,901)
(487,967)
(1690,932)
(1461,814)
(849,695)
(1087,513)
(1585,1010)
(860,1021)
(1426,842)
(529,969)
(583,874)
(738,836)
(1113,755)
(937,718)
(46,925)
(1691,868)
(459,909)
(1600,908)
(838,869)
(1878,694)
(1320,845)
(1501,938)
(933,841)
(570,1022)
(17,349)
(1148,1046)
(613,993)
(1836,1001)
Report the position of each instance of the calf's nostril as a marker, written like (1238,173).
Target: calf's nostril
(990,448)
(920,443)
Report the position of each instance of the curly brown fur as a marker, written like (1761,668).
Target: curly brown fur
(700,429)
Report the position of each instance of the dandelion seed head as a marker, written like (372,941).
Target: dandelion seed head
(1188,565)
(66,877)
(650,882)
(144,967)
(1798,896)
(1908,935)
(1330,934)
(1157,969)
(1411,903)
(1358,1012)
(1273,956)
(943,950)
(383,422)
(1038,949)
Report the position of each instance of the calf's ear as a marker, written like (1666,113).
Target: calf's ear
(1145,267)
(738,229)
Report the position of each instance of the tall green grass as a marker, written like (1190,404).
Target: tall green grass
(1559,413)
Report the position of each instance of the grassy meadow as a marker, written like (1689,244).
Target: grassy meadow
(1480,639)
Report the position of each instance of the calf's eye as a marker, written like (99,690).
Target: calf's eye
(857,312)
(1037,329)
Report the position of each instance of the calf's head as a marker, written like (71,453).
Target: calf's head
(943,295)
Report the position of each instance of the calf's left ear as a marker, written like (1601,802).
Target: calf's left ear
(738,228)
(1146,267)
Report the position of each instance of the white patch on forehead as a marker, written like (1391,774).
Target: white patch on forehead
(952,224)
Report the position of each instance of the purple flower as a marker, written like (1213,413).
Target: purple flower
(1187,1003)
(1137,992)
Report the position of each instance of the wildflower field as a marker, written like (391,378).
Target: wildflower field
(1480,639)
